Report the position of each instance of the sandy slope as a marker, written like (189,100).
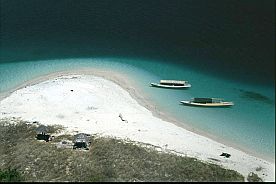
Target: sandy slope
(92,104)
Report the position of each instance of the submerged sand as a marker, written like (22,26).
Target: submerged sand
(92,104)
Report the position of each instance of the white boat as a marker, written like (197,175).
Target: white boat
(172,84)
(208,102)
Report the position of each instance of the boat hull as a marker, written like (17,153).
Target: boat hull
(170,86)
(224,104)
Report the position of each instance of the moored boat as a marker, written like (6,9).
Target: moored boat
(172,84)
(208,102)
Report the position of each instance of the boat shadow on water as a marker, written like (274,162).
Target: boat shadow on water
(251,95)
(168,88)
(207,107)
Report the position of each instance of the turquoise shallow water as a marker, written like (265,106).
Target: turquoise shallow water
(250,123)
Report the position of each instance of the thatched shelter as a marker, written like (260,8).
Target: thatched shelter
(81,140)
(42,133)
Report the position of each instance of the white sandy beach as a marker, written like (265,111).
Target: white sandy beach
(92,104)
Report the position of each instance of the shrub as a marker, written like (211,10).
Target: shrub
(10,175)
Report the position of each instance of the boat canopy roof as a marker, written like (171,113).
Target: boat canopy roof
(81,137)
(172,82)
(202,100)
(42,129)
(206,100)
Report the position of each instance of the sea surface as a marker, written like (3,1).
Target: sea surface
(224,48)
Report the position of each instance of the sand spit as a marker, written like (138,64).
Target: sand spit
(92,104)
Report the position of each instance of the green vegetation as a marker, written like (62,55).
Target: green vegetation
(10,175)
(108,159)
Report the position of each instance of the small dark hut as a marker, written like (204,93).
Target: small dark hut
(81,140)
(42,133)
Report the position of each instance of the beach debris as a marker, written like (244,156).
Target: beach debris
(226,155)
(259,168)
(81,140)
(214,159)
(71,90)
(121,116)
(91,108)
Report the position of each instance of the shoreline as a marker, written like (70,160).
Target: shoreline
(128,85)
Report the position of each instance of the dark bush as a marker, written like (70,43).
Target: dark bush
(10,175)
